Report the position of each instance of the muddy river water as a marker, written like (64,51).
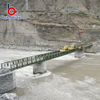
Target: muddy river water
(67,78)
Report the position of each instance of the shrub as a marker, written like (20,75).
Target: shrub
(97,16)
(82,12)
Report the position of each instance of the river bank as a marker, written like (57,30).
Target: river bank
(94,49)
(71,78)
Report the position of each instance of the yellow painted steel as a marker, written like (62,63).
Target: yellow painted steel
(66,47)
(62,50)
(72,46)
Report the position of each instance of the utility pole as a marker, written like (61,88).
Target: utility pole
(26,5)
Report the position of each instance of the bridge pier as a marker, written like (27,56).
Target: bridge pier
(7,80)
(79,53)
(39,68)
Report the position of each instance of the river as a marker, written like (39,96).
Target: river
(67,78)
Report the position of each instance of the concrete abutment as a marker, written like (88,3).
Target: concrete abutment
(79,53)
(39,68)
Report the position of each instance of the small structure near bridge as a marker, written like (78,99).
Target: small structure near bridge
(7,80)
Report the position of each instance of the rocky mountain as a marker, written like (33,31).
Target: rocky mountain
(53,5)
(49,23)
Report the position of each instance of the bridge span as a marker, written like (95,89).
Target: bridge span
(19,63)
(8,79)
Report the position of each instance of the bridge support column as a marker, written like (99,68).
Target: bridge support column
(7,80)
(79,53)
(39,68)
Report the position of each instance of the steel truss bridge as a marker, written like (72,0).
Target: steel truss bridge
(19,63)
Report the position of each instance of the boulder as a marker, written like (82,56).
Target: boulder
(9,96)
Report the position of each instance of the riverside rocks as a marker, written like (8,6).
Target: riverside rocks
(9,96)
(31,48)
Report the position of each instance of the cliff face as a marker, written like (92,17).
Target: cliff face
(26,33)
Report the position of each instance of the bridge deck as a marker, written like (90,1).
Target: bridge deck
(19,63)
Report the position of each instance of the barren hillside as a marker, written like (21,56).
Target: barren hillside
(49,23)
(54,5)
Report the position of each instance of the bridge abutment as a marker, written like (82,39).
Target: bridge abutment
(7,80)
(79,53)
(39,68)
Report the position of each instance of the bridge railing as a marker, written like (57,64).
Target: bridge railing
(15,64)
(19,63)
